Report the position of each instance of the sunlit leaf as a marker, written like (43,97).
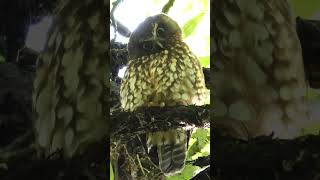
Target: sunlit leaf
(205,151)
(191,25)
(111,172)
(205,61)
(199,144)
(188,172)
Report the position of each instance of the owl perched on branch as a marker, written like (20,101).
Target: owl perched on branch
(260,79)
(162,71)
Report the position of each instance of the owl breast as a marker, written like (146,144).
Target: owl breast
(171,77)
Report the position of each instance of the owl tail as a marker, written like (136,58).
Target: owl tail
(171,147)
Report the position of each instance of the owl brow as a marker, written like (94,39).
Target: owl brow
(154,34)
(154,37)
(154,29)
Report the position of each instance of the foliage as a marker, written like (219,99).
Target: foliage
(199,144)
(188,172)
(195,24)
(189,27)
(205,61)
(111,172)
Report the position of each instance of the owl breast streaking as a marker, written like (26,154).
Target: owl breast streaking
(69,87)
(162,71)
(261,79)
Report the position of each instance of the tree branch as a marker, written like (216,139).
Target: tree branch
(118,26)
(130,124)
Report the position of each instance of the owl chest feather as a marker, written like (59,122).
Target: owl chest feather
(170,77)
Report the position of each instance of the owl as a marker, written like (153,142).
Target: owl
(162,71)
(70,84)
(260,80)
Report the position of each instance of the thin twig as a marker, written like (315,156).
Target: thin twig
(142,169)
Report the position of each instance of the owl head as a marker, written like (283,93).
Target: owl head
(153,35)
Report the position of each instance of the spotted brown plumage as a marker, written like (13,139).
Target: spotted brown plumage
(260,80)
(70,84)
(162,71)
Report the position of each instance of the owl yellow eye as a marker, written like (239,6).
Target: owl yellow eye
(160,31)
(147,46)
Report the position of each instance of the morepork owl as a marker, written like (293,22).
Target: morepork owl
(69,87)
(162,71)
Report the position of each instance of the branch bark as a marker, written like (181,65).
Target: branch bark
(130,124)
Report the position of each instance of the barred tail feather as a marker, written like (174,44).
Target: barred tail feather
(172,158)
(171,147)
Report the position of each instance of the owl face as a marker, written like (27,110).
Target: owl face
(152,36)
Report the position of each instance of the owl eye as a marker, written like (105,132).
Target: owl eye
(147,46)
(160,31)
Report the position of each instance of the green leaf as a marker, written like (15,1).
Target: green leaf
(205,61)
(199,144)
(191,25)
(111,172)
(188,172)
